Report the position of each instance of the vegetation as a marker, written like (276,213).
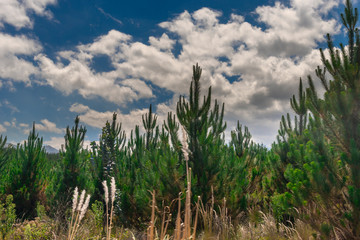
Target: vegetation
(306,186)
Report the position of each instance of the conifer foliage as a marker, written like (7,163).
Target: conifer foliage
(338,113)
(204,128)
(29,174)
(310,174)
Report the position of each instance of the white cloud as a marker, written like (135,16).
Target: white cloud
(12,124)
(162,43)
(295,30)
(264,65)
(11,50)
(24,125)
(59,142)
(77,76)
(107,44)
(98,119)
(79,108)
(16,12)
(2,129)
(47,126)
(14,49)
(138,86)
(9,105)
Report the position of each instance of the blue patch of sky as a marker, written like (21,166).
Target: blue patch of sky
(34,103)
(102,63)
(177,47)
(233,79)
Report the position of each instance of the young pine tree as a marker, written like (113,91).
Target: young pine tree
(337,114)
(29,171)
(204,128)
(74,160)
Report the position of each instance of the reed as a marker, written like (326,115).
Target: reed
(79,209)
(109,217)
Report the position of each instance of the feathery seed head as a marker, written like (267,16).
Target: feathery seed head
(113,189)
(106,191)
(84,207)
(81,202)
(185,144)
(75,198)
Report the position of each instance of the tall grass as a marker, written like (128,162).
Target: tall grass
(109,218)
(78,211)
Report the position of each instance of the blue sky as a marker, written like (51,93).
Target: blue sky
(63,58)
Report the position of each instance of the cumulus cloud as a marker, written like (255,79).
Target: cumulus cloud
(47,126)
(295,30)
(77,76)
(12,50)
(44,126)
(15,49)
(162,43)
(253,70)
(16,12)
(98,119)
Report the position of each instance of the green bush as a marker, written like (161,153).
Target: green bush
(7,216)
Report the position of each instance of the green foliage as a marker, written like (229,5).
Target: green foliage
(6,155)
(149,123)
(311,172)
(97,209)
(33,230)
(112,141)
(3,152)
(28,170)
(7,216)
(40,211)
(75,170)
(73,157)
(204,128)
(337,118)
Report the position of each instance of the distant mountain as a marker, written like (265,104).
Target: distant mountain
(50,149)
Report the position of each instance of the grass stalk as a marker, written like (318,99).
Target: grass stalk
(196,218)
(177,235)
(150,235)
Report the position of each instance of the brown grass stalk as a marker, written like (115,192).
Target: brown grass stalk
(196,218)
(187,220)
(150,235)
(177,235)
(164,222)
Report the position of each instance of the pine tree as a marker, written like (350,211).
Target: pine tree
(3,152)
(29,172)
(299,106)
(338,113)
(149,123)
(204,128)
(172,127)
(112,140)
(73,160)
